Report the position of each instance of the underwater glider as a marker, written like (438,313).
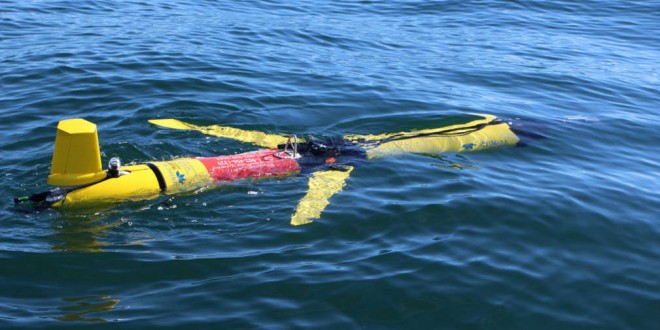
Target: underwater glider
(80,180)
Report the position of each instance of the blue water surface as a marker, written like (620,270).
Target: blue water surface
(560,234)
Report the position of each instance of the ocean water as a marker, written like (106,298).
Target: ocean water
(563,233)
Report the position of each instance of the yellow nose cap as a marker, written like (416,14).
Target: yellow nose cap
(77,157)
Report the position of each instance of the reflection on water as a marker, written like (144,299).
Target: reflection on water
(87,230)
(459,163)
(79,308)
(81,233)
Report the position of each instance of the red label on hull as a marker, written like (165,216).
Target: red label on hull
(256,164)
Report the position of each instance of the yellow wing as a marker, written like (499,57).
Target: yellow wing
(322,185)
(255,137)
